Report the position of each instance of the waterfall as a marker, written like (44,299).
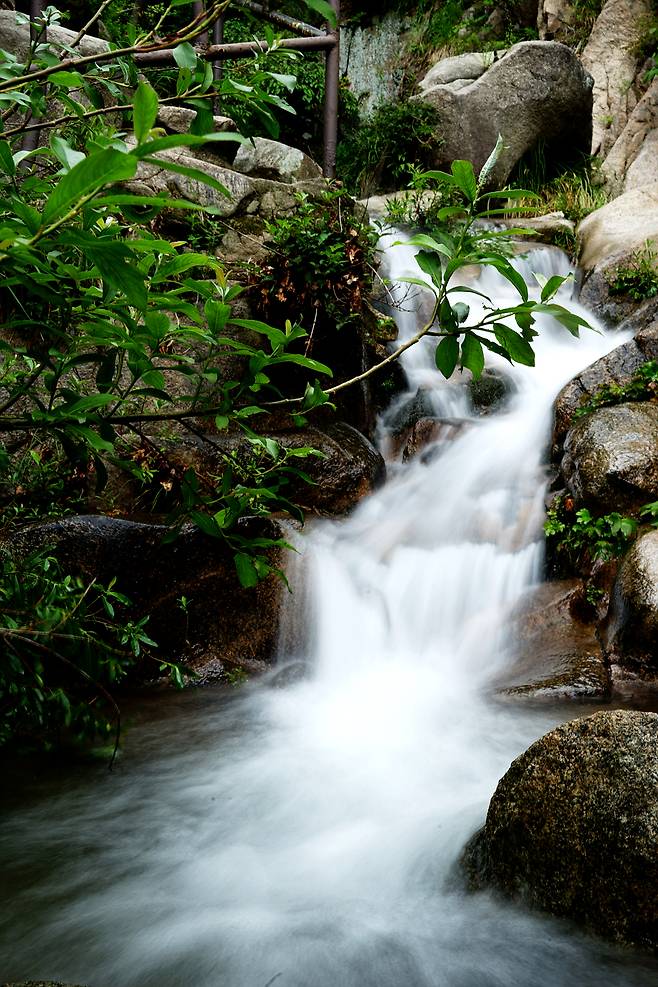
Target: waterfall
(309,835)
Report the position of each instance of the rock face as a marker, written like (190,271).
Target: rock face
(226,625)
(633,159)
(537,91)
(178,119)
(610,460)
(350,467)
(557,655)
(611,57)
(620,227)
(572,827)
(615,368)
(270,159)
(632,628)
(555,19)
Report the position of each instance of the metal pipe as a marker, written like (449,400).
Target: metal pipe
(331,81)
(217,68)
(198,7)
(242,49)
(277,17)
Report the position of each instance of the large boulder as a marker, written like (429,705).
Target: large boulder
(616,368)
(538,91)
(270,159)
(612,57)
(15,37)
(348,468)
(631,635)
(633,159)
(610,460)
(557,654)
(225,625)
(458,68)
(572,827)
(620,228)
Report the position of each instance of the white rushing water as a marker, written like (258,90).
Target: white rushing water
(309,835)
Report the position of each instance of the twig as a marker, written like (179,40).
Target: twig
(90,23)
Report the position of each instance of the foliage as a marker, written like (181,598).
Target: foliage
(573,190)
(579,536)
(320,266)
(63,650)
(111,334)
(376,153)
(507,332)
(641,386)
(639,278)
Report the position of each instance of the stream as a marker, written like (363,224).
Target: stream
(305,830)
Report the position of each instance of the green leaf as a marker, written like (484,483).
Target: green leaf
(428,243)
(68,156)
(491,161)
(519,350)
(446,355)
(472,355)
(246,570)
(430,264)
(94,173)
(509,272)
(465,178)
(552,285)
(185,56)
(7,163)
(323,8)
(145,110)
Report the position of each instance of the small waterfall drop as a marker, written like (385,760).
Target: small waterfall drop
(309,835)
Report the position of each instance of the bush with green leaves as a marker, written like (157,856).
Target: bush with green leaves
(110,335)
(638,278)
(377,153)
(577,537)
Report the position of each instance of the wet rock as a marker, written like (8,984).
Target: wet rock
(616,310)
(225,625)
(572,827)
(633,159)
(610,460)
(631,634)
(428,434)
(617,367)
(558,655)
(537,92)
(490,391)
(270,159)
(408,411)
(619,228)
(612,57)
(348,469)
(549,228)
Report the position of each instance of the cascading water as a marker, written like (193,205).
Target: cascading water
(309,835)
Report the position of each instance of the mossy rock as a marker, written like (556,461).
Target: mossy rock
(572,827)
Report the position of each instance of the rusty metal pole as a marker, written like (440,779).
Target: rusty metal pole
(198,8)
(217,67)
(331,80)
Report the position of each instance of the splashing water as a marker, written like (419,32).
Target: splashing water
(309,835)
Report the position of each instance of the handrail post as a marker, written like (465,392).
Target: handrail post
(331,80)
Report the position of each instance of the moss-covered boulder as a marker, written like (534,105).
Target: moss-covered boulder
(632,627)
(572,827)
(610,460)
